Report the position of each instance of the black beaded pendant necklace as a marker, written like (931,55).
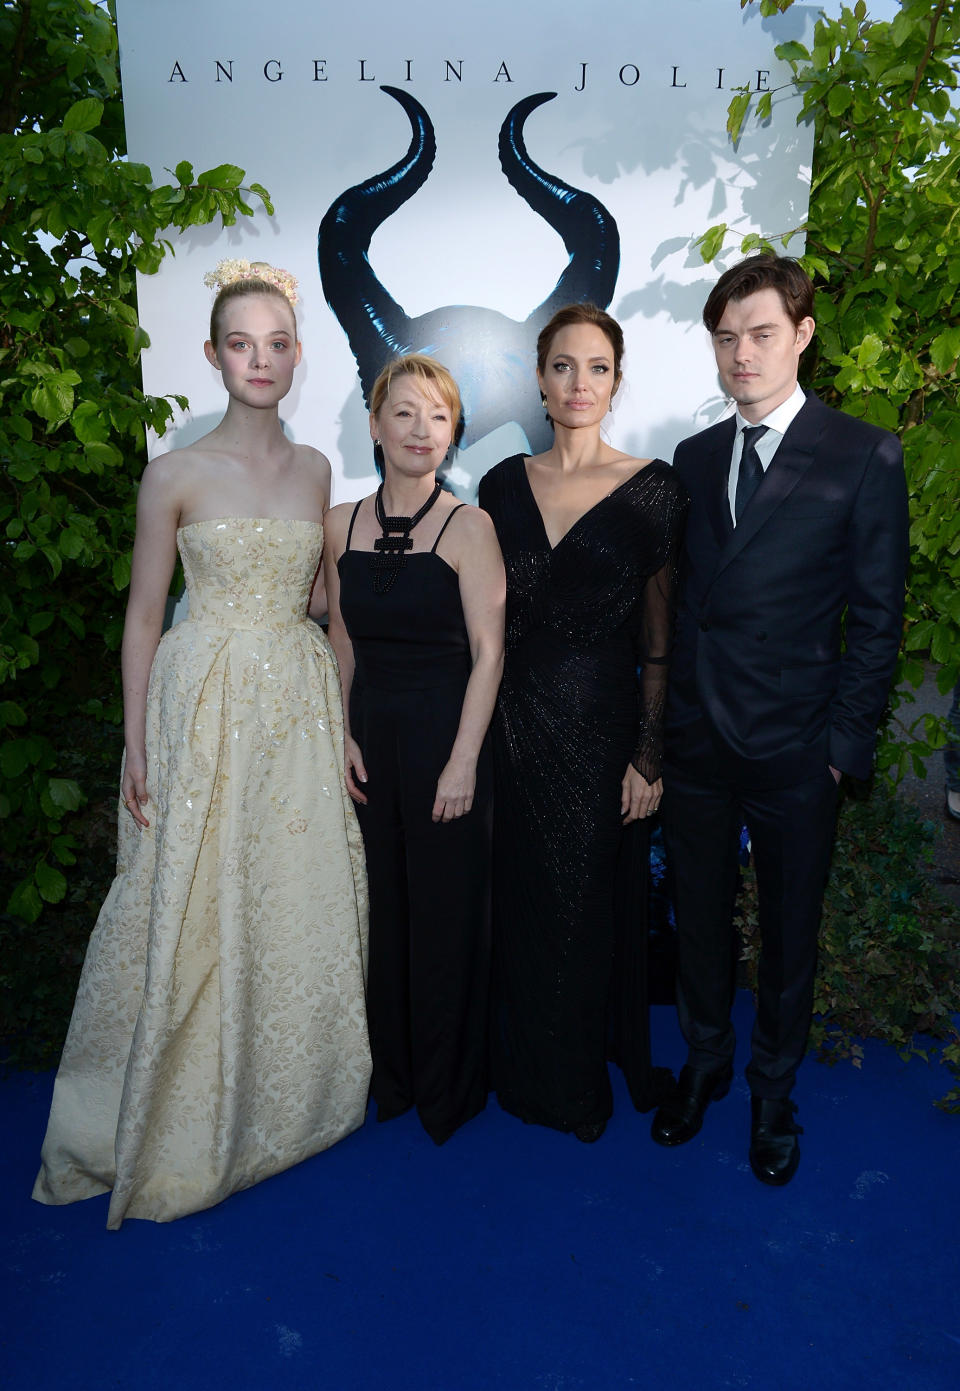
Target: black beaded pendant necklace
(389,552)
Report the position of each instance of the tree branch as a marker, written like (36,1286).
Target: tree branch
(15,85)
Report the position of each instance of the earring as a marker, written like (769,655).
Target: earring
(543,400)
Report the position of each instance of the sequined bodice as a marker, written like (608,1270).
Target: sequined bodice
(250,572)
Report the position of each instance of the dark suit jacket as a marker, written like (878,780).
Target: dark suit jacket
(819,555)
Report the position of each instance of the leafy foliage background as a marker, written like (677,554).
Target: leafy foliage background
(883,247)
(77,220)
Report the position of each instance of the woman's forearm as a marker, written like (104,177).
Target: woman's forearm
(141,637)
(478,702)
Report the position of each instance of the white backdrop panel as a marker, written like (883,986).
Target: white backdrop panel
(641,127)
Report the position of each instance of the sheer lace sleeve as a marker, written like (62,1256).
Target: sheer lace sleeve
(653,638)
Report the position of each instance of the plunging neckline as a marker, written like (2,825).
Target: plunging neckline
(583,515)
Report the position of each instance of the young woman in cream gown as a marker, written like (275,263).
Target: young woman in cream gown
(219,1032)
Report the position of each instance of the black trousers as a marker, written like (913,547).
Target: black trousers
(429,965)
(791,835)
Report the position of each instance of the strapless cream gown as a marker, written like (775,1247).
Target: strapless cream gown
(219,1032)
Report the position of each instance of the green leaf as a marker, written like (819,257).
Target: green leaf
(101,456)
(839,100)
(90,425)
(121,571)
(942,643)
(17,755)
(184,172)
(869,351)
(71,544)
(11,713)
(148,258)
(945,349)
(711,241)
(84,115)
(53,558)
(53,398)
(51,883)
(25,902)
(792,52)
(63,848)
(737,113)
(223,176)
(18,426)
(900,72)
(65,793)
(135,173)
(74,622)
(264,197)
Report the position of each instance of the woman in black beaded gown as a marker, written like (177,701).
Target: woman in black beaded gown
(415,589)
(590,539)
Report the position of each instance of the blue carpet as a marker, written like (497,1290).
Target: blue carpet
(515,1257)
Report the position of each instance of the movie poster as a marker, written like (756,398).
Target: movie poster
(445,176)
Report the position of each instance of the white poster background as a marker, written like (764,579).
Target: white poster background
(641,126)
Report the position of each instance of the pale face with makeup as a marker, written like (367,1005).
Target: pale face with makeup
(257,348)
(578,379)
(414,428)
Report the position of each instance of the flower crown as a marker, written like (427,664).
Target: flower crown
(226,272)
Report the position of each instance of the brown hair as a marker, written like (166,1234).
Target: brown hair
(251,285)
(585,313)
(431,376)
(762,272)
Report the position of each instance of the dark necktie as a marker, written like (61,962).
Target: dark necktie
(751,469)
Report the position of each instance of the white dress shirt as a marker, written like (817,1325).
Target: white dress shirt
(777,423)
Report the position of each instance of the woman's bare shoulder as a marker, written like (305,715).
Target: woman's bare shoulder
(310,458)
(471,520)
(336,520)
(470,535)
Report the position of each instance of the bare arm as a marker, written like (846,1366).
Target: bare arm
(337,521)
(476,554)
(317,604)
(154,556)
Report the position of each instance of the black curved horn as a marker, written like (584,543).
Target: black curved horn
(588,230)
(376,326)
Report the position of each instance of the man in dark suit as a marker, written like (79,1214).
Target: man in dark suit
(787,632)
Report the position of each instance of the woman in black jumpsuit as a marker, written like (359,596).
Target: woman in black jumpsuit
(416,590)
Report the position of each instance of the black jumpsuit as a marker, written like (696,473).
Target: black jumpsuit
(429,883)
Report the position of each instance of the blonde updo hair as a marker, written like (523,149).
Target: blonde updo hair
(237,278)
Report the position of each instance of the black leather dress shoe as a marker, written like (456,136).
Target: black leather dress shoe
(681,1115)
(774,1148)
(588,1134)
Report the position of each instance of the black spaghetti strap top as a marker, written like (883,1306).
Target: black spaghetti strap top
(413,637)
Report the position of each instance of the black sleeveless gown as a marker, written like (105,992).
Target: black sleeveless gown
(428,974)
(570,882)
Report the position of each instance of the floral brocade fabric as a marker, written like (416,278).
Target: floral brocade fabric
(219,1033)
(570,916)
